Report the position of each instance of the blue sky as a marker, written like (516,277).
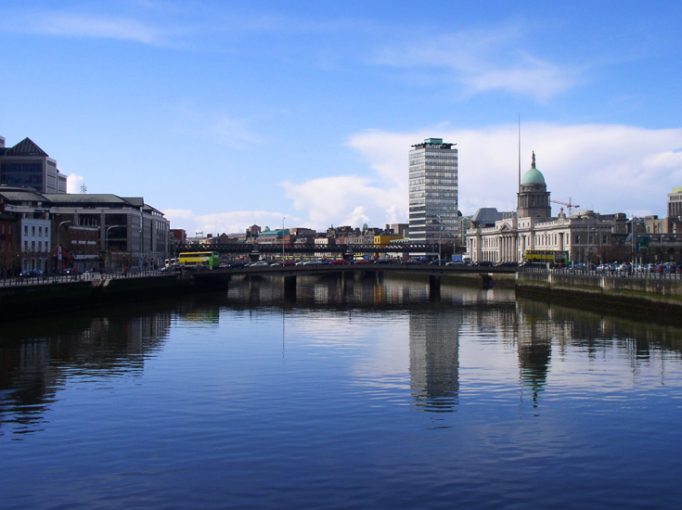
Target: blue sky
(225,114)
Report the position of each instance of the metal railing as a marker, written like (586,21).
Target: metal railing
(22,281)
(663,275)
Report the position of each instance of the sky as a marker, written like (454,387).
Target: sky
(224,114)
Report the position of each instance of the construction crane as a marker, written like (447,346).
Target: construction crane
(569,205)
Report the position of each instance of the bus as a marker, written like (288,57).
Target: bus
(552,257)
(194,259)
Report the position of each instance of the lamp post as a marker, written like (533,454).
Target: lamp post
(59,246)
(283,218)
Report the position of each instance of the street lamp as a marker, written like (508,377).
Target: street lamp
(283,218)
(59,246)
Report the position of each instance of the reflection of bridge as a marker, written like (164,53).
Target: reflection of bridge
(342,249)
(322,269)
(220,278)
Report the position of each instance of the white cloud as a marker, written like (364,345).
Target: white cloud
(74,182)
(229,222)
(83,25)
(607,168)
(222,128)
(347,200)
(481,61)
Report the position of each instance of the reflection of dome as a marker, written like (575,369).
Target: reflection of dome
(533,176)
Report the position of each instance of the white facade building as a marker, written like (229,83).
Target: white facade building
(35,246)
(583,237)
(433,195)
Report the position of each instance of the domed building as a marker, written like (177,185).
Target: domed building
(533,197)
(532,234)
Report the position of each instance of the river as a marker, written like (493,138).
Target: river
(361,395)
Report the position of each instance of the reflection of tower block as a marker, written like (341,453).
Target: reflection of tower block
(434,358)
(535,353)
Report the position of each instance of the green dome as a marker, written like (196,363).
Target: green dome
(533,176)
(677,189)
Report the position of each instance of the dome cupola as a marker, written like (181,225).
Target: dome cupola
(533,176)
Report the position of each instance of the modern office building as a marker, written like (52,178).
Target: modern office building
(433,195)
(675,203)
(26,165)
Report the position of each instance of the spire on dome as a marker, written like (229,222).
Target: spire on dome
(532,165)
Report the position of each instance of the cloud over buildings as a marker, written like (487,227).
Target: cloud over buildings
(607,168)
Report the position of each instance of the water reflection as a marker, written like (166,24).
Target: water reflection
(39,358)
(434,359)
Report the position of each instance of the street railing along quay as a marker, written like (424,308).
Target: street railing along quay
(80,277)
(651,275)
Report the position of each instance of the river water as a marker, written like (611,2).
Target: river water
(361,395)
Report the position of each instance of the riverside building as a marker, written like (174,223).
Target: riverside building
(55,231)
(583,237)
(433,195)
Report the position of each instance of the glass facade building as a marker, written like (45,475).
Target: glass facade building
(433,167)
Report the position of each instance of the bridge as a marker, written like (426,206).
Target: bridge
(310,248)
(219,278)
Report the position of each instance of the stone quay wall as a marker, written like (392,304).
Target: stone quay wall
(655,293)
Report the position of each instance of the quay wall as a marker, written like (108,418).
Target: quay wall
(609,292)
(32,300)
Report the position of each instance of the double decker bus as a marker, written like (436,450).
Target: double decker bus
(195,259)
(552,257)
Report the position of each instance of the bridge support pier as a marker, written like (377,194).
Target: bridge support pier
(253,289)
(346,281)
(289,286)
(487,281)
(434,287)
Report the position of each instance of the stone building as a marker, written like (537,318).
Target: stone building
(581,237)
(52,231)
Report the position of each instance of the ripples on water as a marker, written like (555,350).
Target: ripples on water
(362,395)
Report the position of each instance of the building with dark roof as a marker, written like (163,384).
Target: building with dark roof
(99,231)
(25,165)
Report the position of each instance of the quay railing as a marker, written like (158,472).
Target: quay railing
(653,275)
(20,281)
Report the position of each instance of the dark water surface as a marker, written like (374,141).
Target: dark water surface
(363,395)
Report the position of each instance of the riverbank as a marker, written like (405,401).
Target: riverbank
(617,294)
(35,299)
(659,295)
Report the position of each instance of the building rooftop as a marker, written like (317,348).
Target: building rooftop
(26,147)
(433,142)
